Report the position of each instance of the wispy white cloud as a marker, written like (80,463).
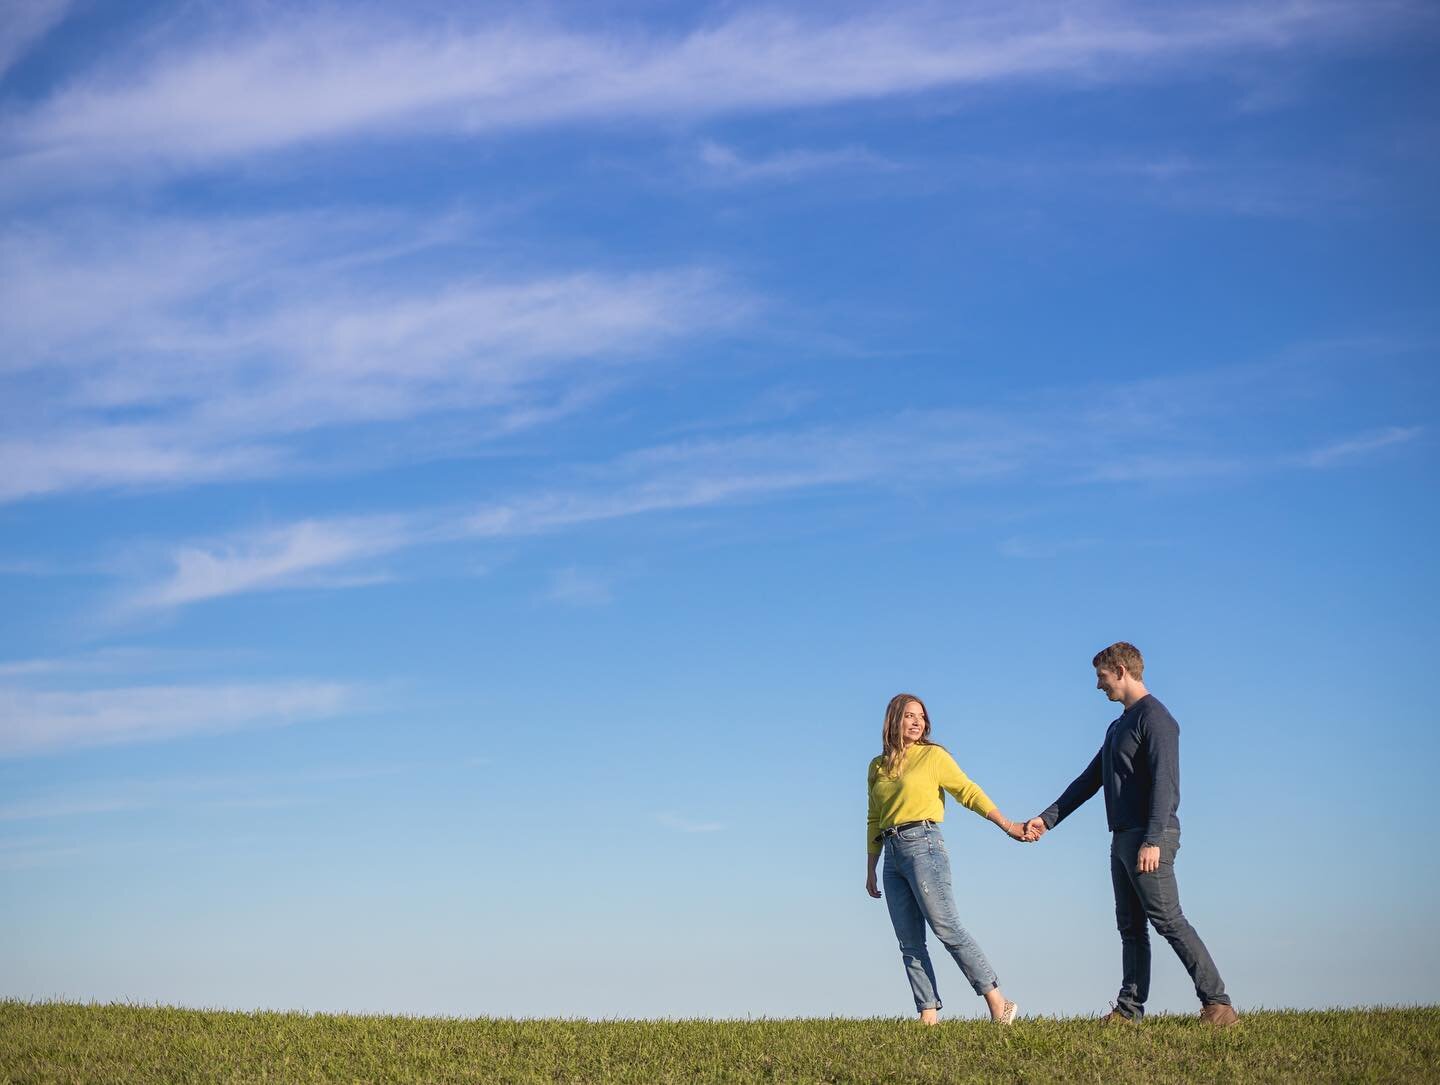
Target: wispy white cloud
(1358,447)
(307,553)
(944,447)
(1229,183)
(681,824)
(726,164)
(277,789)
(288,556)
(952,446)
(1248,187)
(47,721)
(1151,431)
(200,306)
(130,661)
(72,804)
(575,587)
(25,22)
(1178,467)
(1033,549)
(1190,460)
(330,76)
(24,855)
(79,457)
(165,352)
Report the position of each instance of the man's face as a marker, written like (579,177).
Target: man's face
(1108,683)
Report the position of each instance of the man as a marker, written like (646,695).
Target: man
(1139,767)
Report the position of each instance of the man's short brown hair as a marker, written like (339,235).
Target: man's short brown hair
(1120,654)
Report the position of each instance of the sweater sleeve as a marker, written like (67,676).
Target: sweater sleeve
(1081,789)
(967,793)
(872,815)
(1162,751)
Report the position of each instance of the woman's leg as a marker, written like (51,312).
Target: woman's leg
(937,900)
(909,923)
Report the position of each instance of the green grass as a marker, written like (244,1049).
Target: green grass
(118,1045)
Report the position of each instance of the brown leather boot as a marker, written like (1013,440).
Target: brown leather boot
(1219,1015)
(1115,1017)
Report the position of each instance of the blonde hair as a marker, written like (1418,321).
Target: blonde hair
(892,735)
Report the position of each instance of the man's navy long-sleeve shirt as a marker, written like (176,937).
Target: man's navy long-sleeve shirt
(1139,767)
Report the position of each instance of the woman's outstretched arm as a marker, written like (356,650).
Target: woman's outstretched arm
(1012,829)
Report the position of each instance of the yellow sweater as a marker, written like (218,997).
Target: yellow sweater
(919,795)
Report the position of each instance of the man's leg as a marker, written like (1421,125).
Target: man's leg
(1161,896)
(1130,919)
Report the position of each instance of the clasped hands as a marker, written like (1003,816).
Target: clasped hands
(1027,832)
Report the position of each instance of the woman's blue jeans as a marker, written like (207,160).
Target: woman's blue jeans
(917,892)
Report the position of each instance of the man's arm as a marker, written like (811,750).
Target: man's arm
(1074,796)
(1162,751)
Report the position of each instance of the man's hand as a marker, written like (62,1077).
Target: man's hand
(870,886)
(1034,830)
(1149,861)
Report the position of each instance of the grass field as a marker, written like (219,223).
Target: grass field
(117,1045)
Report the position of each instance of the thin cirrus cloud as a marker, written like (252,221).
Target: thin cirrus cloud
(1066,445)
(321,77)
(1202,464)
(290,556)
(110,661)
(188,792)
(953,445)
(672,820)
(144,352)
(1360,446)
(727,165)
(573,586)
(80,457)
(25,22)
(226,296)
(46,721)
(23,854)
(1249,186)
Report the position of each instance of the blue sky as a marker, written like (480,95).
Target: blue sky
(473,478)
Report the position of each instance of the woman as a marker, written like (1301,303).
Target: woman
(907,803)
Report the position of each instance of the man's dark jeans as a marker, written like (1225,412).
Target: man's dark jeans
(1155,897)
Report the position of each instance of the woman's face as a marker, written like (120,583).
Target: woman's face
(912,723)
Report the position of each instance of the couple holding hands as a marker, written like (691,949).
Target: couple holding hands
(1137,766)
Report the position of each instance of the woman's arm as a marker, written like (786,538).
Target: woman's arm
(972,796)
(872,830)
(1012,829)
(967,792)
